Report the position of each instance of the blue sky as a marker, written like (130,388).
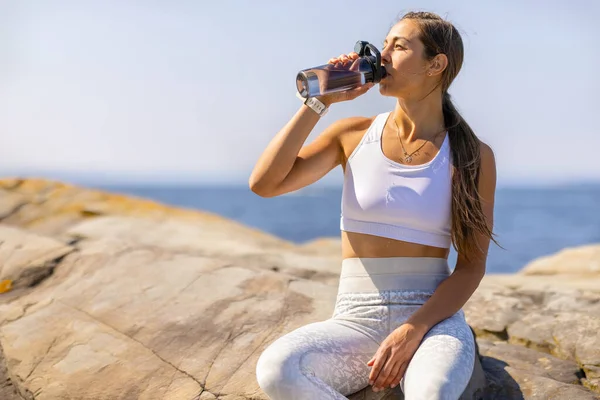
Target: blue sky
(192,91)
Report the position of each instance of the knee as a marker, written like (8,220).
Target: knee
(277,372)
(428,389)
(268,372)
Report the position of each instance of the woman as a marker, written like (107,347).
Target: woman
(416,180)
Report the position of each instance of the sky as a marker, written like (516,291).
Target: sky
(186,92)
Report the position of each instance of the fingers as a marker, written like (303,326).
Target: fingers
(395,375)
(335,61)
(354,93)
(343,59)
(399,375)
(377,367)
(386,375)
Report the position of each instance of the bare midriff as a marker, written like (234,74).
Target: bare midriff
(369,246)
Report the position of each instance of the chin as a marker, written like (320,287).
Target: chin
(385,89)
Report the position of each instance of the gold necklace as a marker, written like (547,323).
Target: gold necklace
(408,157)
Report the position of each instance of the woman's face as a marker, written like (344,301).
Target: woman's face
(402,55)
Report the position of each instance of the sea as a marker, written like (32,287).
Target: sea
(529,222)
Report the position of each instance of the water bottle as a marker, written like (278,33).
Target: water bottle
(328,78)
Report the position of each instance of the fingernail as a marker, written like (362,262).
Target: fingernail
(393,386)
(370,382)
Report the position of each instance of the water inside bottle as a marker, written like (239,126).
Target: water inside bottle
(322,80)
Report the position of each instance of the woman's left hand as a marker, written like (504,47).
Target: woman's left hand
(391,359)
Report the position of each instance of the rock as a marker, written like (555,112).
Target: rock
(536,387)
(113,305)
(490,311)
(51,208)
(151,302)
(146,306)
(572,300)
(583,260)
(27,258)
(223,242)
(85,356)
(572,268)
(541,283)
(588,283)
(577,336)
(5,285)
(592,380)
(328,247)
(515,372)
(571,336)
(179,236)
(507,383)
(10,202)
(525,359)
(8,391)
(535,331)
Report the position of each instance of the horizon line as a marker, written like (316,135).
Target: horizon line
(110,180)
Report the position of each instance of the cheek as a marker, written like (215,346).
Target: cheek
(409,67)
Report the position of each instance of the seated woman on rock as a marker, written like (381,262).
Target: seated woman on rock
(416,181)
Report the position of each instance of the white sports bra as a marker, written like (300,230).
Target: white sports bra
(384,198)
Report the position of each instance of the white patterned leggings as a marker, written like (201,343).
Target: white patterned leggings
(328,359)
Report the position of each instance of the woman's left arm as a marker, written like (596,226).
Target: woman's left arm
(452,294)
(391,359)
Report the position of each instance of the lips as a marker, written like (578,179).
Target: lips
(385,73)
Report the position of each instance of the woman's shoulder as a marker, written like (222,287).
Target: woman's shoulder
(487,154)
(354,124)
(487,168)
(352,131)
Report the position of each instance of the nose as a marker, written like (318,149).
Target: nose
(385,55)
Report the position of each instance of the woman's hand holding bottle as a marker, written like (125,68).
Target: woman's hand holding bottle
(342,61)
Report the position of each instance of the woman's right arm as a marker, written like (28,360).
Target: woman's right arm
(286,164)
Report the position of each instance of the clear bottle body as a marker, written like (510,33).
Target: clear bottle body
(329,78)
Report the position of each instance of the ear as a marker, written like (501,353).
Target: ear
(438,65)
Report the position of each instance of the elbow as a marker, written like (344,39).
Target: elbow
(261,192)
(259,188)
(474,270)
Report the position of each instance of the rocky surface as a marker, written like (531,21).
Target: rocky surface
(584,260)
(123,298)
(28,258)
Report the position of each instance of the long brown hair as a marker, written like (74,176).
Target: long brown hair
(441,37)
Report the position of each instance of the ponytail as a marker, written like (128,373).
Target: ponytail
(468,218)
